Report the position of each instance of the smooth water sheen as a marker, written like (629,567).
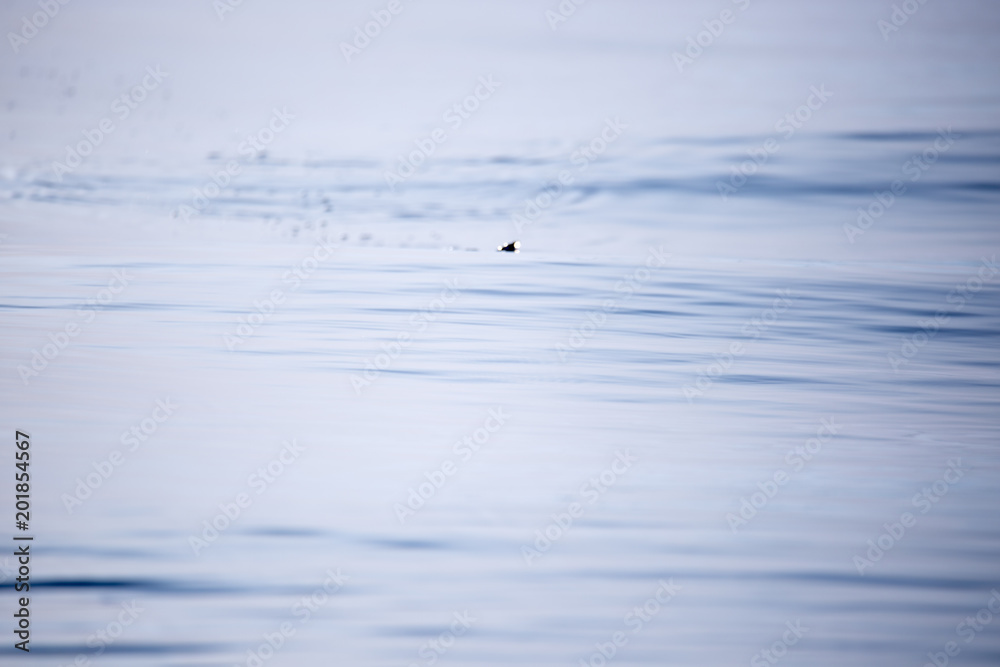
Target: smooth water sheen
(676,429)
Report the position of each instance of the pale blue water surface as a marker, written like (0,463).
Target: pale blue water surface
(685,425)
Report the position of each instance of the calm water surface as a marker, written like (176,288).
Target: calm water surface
(322,422)
(515,339)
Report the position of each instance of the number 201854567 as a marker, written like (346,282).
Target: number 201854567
(21,476)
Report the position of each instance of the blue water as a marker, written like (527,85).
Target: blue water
(319,420)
